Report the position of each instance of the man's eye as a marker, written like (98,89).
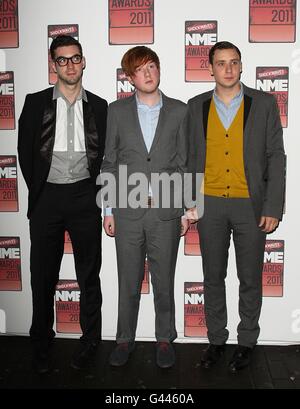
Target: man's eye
(61,60)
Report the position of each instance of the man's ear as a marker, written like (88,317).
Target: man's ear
(83,63)
(54,67)
(241,68)
(210,68)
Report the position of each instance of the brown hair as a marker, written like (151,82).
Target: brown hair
(137,56)
(222,45)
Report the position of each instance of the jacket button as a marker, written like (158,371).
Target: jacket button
(148,159)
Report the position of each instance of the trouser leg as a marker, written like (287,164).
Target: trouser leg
(249,242)
(131,253)
(214,235)
(83,221)
(162,240)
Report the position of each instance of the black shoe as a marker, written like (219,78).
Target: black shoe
(241,358)
(83,356)
(165,355)
(120,354)
(211,355)
(41,361)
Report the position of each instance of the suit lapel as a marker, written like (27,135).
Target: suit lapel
(205,111)
(48,128)
(249,116)
(133,113)
(90,130)
(247,107)
(161,121)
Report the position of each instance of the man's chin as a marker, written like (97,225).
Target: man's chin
(71,81)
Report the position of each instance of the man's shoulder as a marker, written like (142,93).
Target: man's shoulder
(200,98)
(174,103)
(258,94)
(93,98)
(47,92)
(122,103)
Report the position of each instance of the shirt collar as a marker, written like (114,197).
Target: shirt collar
(58,94)
(237,97)
(142,105)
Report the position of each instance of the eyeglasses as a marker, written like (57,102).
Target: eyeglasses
(62,61)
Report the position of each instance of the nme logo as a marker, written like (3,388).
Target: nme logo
(67,296)
(8,173)
(194,299)
(200,39)
(274,257)
(7,89)
(9,253)
(272,85)
(125,86)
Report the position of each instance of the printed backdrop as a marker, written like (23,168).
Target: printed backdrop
(182,34)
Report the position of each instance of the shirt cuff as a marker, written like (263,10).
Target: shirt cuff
(107,211)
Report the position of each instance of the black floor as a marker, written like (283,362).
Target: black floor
(272,367)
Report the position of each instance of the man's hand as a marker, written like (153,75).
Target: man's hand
(192,214)
(268,224)
(185,224)
(109,225)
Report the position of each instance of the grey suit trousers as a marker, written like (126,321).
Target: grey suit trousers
(158,240)
(223,216)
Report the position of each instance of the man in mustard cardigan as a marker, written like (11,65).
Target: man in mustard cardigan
(238,144)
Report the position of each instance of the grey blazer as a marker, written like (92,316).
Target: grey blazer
(264,157)
(125,146)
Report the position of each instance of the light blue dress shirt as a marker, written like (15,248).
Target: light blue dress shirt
(227,113)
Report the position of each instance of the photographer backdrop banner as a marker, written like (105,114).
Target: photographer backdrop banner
(181,33)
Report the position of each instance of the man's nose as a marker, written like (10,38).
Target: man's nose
(70,62)
(228,67)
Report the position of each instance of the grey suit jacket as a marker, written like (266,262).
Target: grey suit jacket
(125,146)
(264,157)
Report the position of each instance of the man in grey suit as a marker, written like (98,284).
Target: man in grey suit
(238,144)
(145,133)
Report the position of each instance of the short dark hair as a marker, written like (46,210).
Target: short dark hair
(137,56)
(222,45)
(63,41)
